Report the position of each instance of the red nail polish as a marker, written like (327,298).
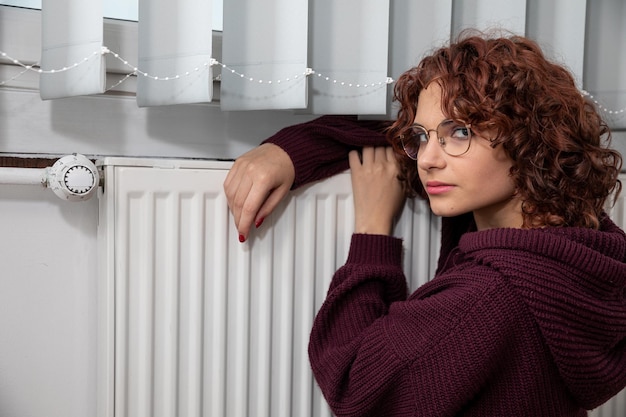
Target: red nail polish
(242,238)
(259,222)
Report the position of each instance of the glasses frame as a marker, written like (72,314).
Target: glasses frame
(441,140)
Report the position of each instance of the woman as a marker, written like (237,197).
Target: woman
(526,314)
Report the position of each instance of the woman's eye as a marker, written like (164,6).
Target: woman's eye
(460,132)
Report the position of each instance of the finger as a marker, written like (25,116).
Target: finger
(249,211)
(354,159)
(380,153)
(390,153)
(368,154)
(241,189)
(393,158)
(270,204)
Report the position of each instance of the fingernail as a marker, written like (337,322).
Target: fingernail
(259,222)
(242,238)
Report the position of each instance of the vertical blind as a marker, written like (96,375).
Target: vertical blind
(71,56)
(265,48)
(175,40)
(315,56)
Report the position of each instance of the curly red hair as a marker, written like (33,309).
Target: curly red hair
(563,167)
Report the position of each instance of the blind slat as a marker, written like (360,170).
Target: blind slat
(175,39)
(72,32)
(265,44)
(487,14)
(559,26)
(349,44)
(416,28)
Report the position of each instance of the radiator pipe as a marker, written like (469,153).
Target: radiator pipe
(23,176)
(72,177)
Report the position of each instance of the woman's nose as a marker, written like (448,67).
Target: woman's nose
(431,155)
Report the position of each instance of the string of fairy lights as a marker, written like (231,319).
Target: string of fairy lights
(137,72)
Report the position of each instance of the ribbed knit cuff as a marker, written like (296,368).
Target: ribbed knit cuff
(375,250)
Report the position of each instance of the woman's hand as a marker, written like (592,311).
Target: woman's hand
(256,183)
(378,194)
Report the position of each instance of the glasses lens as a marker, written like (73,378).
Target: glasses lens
(412,138)
(454,137)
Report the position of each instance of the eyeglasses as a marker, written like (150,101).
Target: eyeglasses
(453,137)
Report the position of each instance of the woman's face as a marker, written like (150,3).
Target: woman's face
(477,181)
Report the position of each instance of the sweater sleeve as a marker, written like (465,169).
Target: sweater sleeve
(319,148)
(359,294)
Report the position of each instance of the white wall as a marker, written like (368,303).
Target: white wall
(47,304)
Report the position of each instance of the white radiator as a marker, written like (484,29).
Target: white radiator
(195,324)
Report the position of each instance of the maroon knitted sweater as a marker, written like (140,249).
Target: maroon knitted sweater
(515,322)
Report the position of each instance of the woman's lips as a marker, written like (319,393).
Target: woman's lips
(435,187)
